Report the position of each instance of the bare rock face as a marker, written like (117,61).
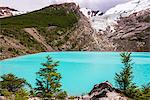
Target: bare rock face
(133,32)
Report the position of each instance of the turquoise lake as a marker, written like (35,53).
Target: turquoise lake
(80,70)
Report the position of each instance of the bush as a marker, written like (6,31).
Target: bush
(61,95)
(1,49)
(22,94)
(13,50)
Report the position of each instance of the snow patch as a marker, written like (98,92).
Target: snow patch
(14,13)
(101,23)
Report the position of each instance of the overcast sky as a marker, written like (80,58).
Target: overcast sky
(29,5)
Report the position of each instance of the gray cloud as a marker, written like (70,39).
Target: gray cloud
(28,5)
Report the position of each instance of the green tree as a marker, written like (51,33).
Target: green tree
(12,87)
(48,81)
(124,78)
(124,81)
(11,83)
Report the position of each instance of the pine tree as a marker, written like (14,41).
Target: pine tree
(48,81)
(124,81)
(124,78)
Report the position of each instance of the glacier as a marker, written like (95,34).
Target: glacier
(109,19)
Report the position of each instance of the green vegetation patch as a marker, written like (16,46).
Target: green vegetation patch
(56,36)
(42,18)
(147,19)
(23,37)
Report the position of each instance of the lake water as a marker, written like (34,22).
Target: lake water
(80,70)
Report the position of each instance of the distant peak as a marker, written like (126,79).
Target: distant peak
(7,12)
(7,8)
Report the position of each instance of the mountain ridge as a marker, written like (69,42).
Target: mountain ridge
(64,27)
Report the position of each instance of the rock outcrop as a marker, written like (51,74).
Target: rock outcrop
(103,91)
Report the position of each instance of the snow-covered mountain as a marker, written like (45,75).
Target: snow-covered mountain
(110,18)
(7,12)
(125,27)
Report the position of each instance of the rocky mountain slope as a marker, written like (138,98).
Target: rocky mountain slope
(123,28)
(110,17)
(133,32)
(42,30)
(66,27)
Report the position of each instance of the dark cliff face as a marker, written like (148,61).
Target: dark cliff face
(133,32)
